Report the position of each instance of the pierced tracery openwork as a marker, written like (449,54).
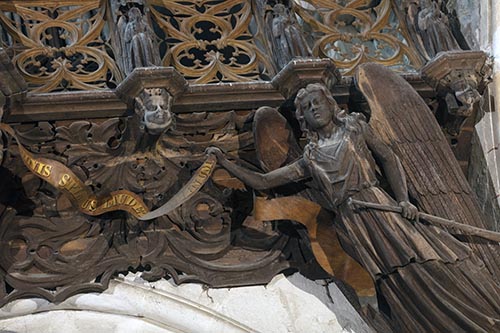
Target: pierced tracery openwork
(211,41)
(146,141)
(358,31)
(57,45)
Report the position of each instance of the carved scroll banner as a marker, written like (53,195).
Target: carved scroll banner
(324,242)
(196,182)
(82,197)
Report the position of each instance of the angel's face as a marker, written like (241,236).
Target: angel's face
(317,110)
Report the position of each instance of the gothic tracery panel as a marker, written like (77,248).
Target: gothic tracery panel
(211,41)
(57,45)
(352,32)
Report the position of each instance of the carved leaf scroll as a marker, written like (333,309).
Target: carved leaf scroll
(50,250)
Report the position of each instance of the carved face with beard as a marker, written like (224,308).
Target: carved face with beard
(153,105)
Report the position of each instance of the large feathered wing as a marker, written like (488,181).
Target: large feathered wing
(402,119)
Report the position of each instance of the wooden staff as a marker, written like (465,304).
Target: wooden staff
(435,220)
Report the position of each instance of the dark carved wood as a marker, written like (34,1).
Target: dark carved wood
(194,98)
(422,273)
(145,129)
(459,79)
(52,251)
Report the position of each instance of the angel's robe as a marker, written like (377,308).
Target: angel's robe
(342,166)
(411,263)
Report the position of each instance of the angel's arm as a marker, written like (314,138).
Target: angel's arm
(262,181)
(390,164)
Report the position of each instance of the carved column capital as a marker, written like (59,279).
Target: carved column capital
(454,69)
(300,72)
(459,78)
(151,77)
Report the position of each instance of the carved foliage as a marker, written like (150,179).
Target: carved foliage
(50,250)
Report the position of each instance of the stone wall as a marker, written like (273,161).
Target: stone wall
(480,26)
(287,304)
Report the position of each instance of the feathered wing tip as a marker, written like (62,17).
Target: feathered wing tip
(402,119)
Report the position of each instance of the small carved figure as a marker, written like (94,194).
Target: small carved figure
(289,41)
(460,106)
(411,17)
(467,97)
(434,29)
(425,277)
(138,46)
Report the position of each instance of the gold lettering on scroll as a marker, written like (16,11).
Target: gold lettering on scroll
(90,205)
(205,171)
(39,168)
(80,195)
(126,200)
(74,187)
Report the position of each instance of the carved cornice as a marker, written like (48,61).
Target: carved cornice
(300,72)
(151,77)
(228,96)
(191,98)
(448,67)
(67,106)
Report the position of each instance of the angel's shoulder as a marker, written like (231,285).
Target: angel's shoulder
(354,122)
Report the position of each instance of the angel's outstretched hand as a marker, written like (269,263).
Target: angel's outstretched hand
(215,151)
(409,211)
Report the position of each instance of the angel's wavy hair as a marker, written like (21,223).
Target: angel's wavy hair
(352,122)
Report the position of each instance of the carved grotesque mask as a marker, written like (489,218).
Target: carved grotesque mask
(468,96)
(153,105)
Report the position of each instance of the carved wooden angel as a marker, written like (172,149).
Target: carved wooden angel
(427,280)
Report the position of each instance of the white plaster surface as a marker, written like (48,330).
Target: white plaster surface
(488,128)
(130,304)
(488,131)
(468,13)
